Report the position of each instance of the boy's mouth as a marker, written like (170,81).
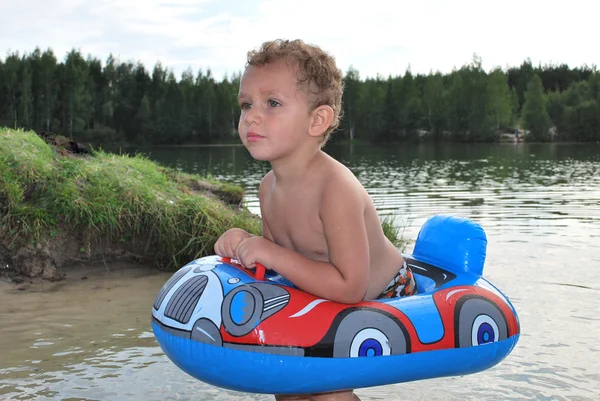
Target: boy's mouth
(253,137)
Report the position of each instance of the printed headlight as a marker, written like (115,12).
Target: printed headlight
(247,305)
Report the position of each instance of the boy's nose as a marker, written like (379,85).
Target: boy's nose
(253,116)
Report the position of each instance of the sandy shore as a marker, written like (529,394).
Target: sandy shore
(75,274)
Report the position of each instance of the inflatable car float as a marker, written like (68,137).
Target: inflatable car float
(231,327)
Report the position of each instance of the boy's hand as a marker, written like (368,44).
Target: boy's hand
(226,246)
(253,250)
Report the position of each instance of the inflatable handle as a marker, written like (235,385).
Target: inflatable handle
(259,272)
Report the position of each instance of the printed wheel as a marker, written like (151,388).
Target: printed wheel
(369,333)
(205,331)
(479,322)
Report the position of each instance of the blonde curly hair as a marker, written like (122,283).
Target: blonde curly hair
(317,72)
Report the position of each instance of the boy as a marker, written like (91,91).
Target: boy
(320,228)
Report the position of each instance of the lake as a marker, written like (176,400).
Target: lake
(89,337)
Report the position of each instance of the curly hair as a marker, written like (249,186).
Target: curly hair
(317,72)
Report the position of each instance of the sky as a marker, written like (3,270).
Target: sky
(374,37)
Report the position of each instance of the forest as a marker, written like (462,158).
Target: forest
(122,102)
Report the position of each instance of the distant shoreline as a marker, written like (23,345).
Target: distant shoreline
(504,139)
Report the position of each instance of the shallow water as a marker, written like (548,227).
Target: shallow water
(90,339)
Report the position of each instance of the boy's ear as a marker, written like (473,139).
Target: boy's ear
(322,117)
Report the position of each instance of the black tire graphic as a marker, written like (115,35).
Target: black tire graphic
(369,333)
(478,322)
(205,331)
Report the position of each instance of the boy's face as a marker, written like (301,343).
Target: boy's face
(275,114)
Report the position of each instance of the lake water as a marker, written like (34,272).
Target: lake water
(90,339)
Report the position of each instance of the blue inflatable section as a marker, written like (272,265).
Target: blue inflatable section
(289,375)
(455,243)
(422,312)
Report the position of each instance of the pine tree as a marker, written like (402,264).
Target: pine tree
(535,113)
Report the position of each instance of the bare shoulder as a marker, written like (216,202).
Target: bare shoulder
(266,183)
(340,184)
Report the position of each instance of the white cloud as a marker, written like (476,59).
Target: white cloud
(382,36)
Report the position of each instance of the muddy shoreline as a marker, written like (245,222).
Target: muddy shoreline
(75,273)
(64,258)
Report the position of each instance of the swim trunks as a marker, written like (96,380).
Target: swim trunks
(402,285)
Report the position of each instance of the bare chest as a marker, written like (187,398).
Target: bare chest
(294,223)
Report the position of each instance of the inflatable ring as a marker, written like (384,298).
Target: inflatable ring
(252,331)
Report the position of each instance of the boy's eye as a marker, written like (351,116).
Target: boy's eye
(245,106)
(273,103)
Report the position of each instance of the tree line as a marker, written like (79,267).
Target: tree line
(123,103)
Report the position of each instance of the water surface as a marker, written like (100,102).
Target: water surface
(90,339)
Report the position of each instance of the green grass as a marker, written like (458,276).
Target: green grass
(171,216)
(393,232)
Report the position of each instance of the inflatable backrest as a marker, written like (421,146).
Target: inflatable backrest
(453,243)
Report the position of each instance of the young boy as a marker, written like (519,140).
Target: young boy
(320,228)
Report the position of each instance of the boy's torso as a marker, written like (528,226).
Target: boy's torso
(292,216)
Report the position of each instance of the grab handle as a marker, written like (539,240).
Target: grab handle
(259,271)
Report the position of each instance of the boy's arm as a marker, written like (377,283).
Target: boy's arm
(345,277)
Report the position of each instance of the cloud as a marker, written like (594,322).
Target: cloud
(375,36)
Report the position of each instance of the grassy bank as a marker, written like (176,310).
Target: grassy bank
(97,205)
(58,207)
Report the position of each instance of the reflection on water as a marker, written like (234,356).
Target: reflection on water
(540,207)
